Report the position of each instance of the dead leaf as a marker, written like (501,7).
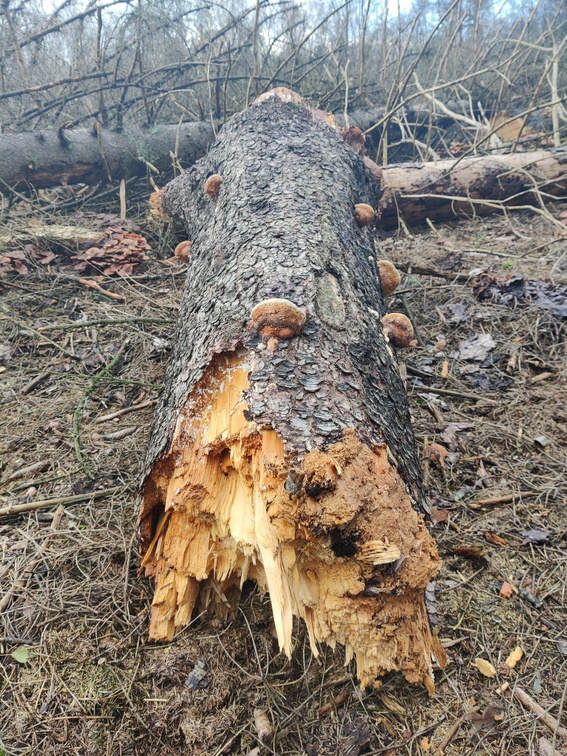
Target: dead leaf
(535,535)
(506,589)
(545,748)
(437,454)
(5,353)
(492,714)
(469,552)
(495,539)
(485,667)
(514,657)
(449,435)
(475,348)
(438,514)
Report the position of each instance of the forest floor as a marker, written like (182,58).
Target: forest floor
(78,675)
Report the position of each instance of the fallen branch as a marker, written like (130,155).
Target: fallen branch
(547,718)
(109,322)
(125,411)
(30,506)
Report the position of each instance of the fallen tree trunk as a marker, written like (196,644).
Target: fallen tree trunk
(83,156)
(412,192)
(446,189)
(282,449)
(73,156)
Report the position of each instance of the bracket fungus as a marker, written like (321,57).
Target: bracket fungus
(389,277)
(363,214)
(276,319)
(398,329)
(182,251)
(213,185)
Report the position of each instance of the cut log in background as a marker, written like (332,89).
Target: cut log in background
(446,189)
(282,451)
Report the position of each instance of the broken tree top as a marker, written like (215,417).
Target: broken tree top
(282,447)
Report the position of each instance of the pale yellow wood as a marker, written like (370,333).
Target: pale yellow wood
(227,518)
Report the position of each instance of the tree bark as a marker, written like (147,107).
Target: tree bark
(48,158)
(447,189)
(279,455)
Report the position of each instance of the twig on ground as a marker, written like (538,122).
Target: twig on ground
(33,383)
(125,411)
(30,506)
(457,394)
(98,287)
(547,718)
(453,730)
(89,323)
(422,270)
(120,434)
(505,499)
(80,407)
(23,471)
(27,330)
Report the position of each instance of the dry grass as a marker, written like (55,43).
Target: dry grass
(94,685)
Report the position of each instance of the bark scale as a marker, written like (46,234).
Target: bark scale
(290,462)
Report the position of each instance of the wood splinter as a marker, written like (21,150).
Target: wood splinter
(296,469)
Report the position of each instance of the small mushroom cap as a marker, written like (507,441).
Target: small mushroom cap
(398,329)
(182,251)
(276,318)
(363,214)
(213,185)
(389,277)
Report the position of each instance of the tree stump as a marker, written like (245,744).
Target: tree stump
(282,449)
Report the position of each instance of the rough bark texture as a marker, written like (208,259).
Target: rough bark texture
(292,464)
(47,158)
(447,189)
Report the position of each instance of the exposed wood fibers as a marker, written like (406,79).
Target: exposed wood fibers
(347,552)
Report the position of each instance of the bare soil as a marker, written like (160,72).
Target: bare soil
(71,593)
